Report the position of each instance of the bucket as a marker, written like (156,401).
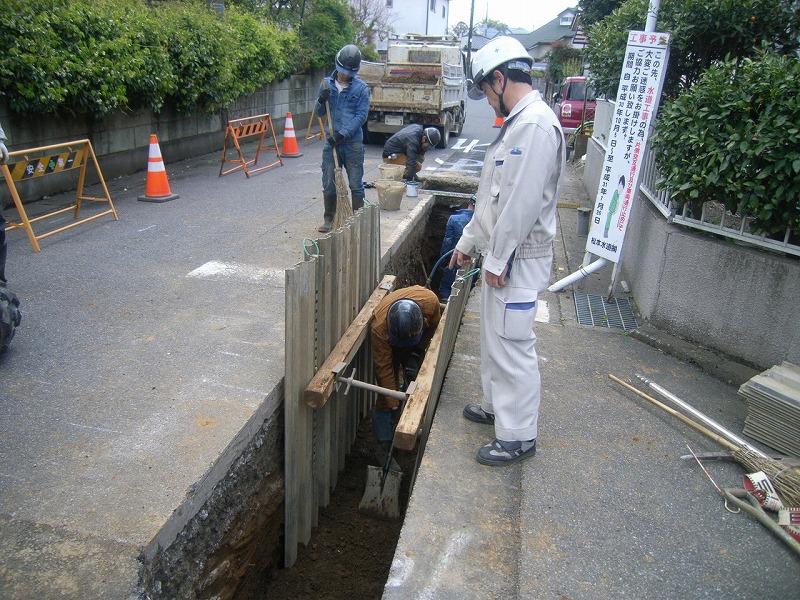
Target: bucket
(390,193)
(393,172)
(583,220)
(411,189)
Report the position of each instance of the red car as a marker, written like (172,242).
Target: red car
(574,104)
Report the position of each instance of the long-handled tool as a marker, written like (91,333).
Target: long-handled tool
(344,204)
(785,478)
(381,497)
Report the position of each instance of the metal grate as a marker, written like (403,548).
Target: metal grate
(594,310)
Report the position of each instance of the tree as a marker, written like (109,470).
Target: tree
(563,61)
(326,27)
(460,29)
(703,33)
(593,11)
(373,23)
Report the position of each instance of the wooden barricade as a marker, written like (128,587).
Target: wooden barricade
(68,156)
(321,122)
(242,129)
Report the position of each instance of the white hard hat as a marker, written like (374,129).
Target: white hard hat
(500,50)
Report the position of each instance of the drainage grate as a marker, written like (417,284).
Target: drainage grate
(594,310)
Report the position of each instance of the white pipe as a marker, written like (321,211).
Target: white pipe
(710,422)
(579,274)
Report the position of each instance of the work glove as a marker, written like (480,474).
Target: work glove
(324,95)
(336,138)
(3,153)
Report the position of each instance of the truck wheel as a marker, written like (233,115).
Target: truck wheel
(445,131)
(368,138)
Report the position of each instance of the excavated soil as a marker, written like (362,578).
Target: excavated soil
(349,554)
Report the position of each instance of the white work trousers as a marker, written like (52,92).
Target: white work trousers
(509,365)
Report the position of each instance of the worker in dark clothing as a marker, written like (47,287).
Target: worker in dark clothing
(452,233)
(402,327)
(10,316)
(408,146)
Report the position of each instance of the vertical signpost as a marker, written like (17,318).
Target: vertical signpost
(641,82)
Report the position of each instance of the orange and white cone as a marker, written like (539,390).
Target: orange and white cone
(157,188)
(498,122)
(290,148)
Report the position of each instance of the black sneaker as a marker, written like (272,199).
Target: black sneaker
(475,413)
(499,452)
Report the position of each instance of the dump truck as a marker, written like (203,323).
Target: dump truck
(422,81)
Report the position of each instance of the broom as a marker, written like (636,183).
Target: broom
(784,478)
(344,205)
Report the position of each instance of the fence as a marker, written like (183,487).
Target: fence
(324,294)
(713,218)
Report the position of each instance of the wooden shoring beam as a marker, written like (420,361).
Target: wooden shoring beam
(319,390)
(413,417)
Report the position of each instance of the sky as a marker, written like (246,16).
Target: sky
(525,14)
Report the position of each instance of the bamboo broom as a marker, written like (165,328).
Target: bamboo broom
(344,205)
(784,478)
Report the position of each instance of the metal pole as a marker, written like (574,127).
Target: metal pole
(708,421)
(469,39)
(652,15)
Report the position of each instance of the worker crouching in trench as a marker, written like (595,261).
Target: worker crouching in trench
(402,327)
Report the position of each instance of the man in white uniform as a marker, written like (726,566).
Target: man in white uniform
(513,229)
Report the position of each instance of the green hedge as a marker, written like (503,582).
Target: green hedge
(734,137)
(95,57)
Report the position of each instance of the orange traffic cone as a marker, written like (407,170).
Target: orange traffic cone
(289,149)
(498,122)
(157,188)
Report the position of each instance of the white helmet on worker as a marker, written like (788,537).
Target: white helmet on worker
(503,50)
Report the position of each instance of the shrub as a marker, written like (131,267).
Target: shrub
(94,57)
(703,33)
(735,138)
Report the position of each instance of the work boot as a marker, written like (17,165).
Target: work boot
(330,213)
(476,414)
(358,203)
(499,452)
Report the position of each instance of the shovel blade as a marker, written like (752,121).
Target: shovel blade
(381,503)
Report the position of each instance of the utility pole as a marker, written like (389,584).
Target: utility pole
(469,38)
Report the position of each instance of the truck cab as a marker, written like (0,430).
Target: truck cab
(575,103)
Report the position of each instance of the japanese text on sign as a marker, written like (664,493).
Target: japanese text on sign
(640,85)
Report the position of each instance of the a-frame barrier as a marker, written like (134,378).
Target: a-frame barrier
(55,158)
(242,129)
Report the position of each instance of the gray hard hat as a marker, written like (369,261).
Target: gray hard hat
(433,135)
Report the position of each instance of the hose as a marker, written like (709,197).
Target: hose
(436,266)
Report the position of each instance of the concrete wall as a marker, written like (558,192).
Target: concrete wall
(730,297)
(121,141)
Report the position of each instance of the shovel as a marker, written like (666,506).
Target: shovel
(381,497)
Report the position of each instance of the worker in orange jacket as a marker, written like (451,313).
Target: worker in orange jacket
(402,327)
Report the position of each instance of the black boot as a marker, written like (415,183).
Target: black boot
(330,213)
(358,203)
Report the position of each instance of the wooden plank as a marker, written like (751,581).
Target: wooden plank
(319,390)
(405,435)
(297,416)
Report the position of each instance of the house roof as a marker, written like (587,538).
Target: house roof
(550,32)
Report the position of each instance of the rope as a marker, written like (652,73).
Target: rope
(305,246)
